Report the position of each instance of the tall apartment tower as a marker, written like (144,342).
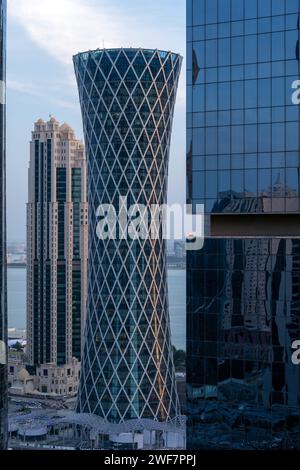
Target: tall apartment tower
(243,287)
(56,251)
(127,99)
(3,313)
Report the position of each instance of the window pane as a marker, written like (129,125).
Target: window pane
(264,92)
(264,7)
(211,98)
(278,7)
(211,11)
(250,49)
(198,163)
(251,182)
(198,98)
(264,137)
(278,137)
(237,95)
(278,91)
(198,12)
(250,138)
(224,96)
(292,38)
(292,136)
(211,141)
(264,47)
(237,180)
(237,50)
(250,93)
(224,140)
(292,6)
(278,46)
(264,182)
(237,139)
(198,184)
(251,9)
(224,10)
(211,184)
(198,141)
(211,53)
(224,52)
(224,181)
(237,9)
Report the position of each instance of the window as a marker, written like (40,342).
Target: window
(250,9)
(223,181)
(224,10)
(211,51)
(237,10)
(224,52)
(250,49)
(264,7)
(237,50)
(278,52)
(211,9)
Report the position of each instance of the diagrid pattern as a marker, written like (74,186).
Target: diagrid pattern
(127,99)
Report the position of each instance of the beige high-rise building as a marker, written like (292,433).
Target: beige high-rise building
(57,239)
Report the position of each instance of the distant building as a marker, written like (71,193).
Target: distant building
(47,379)
(56,249)
(20,382)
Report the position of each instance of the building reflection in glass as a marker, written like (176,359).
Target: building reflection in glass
(243,315)
(243,164)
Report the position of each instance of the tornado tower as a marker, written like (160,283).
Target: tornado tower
(127,99)
(3,306)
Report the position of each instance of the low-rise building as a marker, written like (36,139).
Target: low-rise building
(46,379)
(59,380)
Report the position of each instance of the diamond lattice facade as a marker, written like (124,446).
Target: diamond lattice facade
(127,99)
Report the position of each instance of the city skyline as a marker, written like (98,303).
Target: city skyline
(50,87)
(124,145)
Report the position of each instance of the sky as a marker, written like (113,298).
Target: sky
(42,37)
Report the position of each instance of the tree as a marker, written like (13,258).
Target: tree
(18,346)
(179,357)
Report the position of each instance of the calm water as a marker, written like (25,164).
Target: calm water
(16,282)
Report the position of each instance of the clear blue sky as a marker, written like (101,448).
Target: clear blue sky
(42,37)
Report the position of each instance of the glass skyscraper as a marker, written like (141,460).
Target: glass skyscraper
(3,314)
(56,255)
(127,99)
(243,287)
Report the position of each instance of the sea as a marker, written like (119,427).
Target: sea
(16,298)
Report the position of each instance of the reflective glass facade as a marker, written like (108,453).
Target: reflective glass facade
(127,99)
(3,307)
(243,292)
(243,128)
(243,315)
